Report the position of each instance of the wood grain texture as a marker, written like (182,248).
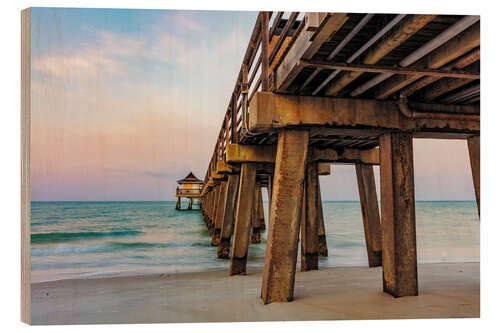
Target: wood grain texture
(399,251)
(284,221)
(25,165)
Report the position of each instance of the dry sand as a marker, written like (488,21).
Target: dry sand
(446,290)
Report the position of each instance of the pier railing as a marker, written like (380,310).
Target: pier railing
(272,32)
(187,192)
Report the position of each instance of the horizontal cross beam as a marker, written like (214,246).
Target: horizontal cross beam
(460,74)
(270,112)
(267,154)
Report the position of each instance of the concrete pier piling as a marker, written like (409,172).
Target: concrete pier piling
(399,248)
(284,221)
(243,219)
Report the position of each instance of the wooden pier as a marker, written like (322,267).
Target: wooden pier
(316,89)
(190,188)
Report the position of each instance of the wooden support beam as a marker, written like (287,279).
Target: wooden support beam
(322,245)
(228,218)
(236,153)
(445,85)
(390,69)
(261,212)
(323,169)
(266,154)
(269,111)
(255,238)
(370,156)
(370,213)
(224,168)
(305,47)
(399,250)
(213,213)
(264,36)
(221,206)
(243,220)
(473,144)
(284,221)
(309,221)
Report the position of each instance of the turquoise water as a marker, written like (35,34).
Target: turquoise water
(88,239)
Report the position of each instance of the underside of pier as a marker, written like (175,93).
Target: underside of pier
(317,89)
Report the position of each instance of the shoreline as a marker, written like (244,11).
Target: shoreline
(447,290)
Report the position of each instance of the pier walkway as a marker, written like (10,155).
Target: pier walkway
(316,89)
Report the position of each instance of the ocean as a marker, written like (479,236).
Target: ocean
(96,239)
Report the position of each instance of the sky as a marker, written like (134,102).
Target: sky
(126,102)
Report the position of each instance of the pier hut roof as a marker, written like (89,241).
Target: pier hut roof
(190,179)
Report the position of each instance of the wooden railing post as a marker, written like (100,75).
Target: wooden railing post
(264,50)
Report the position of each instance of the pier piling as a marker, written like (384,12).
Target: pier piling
(228,218)
(243,220)
(284,221)
(399,250)
(309,220)
(370,214)
(473,144)
(256,222)
(322,245)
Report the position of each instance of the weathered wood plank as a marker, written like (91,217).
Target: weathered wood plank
(473,144)
(370,156)
(243,219)
(322,245)
(255,238)
(309,221)
(390,69)
(399,250)
(228,219)
(284,221)
(370,213)
(267,154)
(269,111)
(305,47)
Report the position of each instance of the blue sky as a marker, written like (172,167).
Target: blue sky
(125,102)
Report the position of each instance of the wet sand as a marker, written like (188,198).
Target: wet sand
(447,290)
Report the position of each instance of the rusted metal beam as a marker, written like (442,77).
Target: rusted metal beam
(390,69)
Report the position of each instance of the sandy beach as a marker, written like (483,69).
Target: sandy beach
(447,290)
